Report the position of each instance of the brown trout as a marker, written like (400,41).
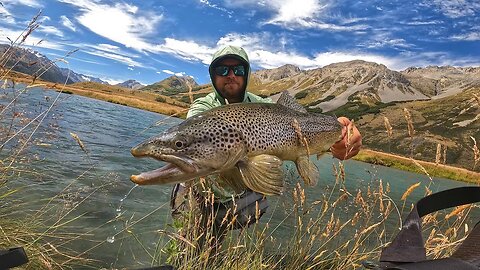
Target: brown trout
(244,143)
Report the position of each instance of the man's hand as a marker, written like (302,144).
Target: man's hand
(350,143)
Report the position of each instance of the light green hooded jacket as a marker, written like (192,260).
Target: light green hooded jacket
(215,99)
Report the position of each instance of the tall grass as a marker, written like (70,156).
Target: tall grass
(339,229)
(37,224)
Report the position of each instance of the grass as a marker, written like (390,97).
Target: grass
(408,164)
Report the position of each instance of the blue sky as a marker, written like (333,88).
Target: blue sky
(150,40)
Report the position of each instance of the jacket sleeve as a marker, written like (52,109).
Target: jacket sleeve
(200,105)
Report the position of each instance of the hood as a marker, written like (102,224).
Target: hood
(230,52)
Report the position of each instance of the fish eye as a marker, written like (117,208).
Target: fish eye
(179,144)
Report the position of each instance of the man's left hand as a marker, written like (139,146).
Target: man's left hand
(350,143)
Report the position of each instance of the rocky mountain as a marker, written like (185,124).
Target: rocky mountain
(38,65)
(132,84)
(269,75)
(32,63)
(330,87)
(438,82)
(172,85)
(77,77)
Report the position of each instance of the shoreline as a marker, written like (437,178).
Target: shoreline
(418,166)
(114,94)
(148,102)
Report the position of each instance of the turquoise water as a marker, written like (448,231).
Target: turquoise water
(94,184)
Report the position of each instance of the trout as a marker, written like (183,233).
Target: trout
(245,144)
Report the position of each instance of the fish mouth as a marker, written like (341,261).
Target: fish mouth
(178,169)
(164,175)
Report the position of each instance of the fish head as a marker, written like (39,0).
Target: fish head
(191,149)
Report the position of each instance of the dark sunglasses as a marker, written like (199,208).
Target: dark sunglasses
(224,70)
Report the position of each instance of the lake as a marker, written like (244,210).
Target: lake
(91,184)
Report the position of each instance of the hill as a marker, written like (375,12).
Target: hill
(131,84)
(33,63)
(172,85)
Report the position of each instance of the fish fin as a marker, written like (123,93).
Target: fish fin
(263,174)
(307,170)
(233,178)
(287,100)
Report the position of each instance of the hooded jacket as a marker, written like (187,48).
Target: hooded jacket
(215,99)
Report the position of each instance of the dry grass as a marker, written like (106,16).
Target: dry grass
(37,225)
(322,236)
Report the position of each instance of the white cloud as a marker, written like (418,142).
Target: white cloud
(294,14)
(207,3)
(120,23)
(6,15)
(178,74)
(50,30)
(29,3)
(291,11)
(67,23)
(438,58)
(32,40)
(382,40)
(456,8)
(187,50)
(116,57)
(111,81)
(472,36)
(104,47)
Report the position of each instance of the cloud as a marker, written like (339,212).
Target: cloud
(114,56)
(6,16)
(121,23)
(473,36)
(50,30)
(292,14)
(186,50)
(435,58)
(178,74)
(384,40)
(32,40)
(207,3)
(291,11)
(456,8)
(29,3)
(67,23)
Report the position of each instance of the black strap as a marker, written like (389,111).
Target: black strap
(440,264)
(408,245)
(12,258)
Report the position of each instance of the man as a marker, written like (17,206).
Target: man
(229,73)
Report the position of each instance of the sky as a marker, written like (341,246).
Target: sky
(148,40)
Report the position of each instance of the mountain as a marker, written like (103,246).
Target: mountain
(131,84)
(438,82)
(77,77)
(32,63)
(172,85)
(36,64)
(269,75)
(330,87)
(450,121)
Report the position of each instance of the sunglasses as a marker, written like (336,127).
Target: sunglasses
(224,70)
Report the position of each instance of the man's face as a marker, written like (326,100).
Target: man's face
(231,86)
